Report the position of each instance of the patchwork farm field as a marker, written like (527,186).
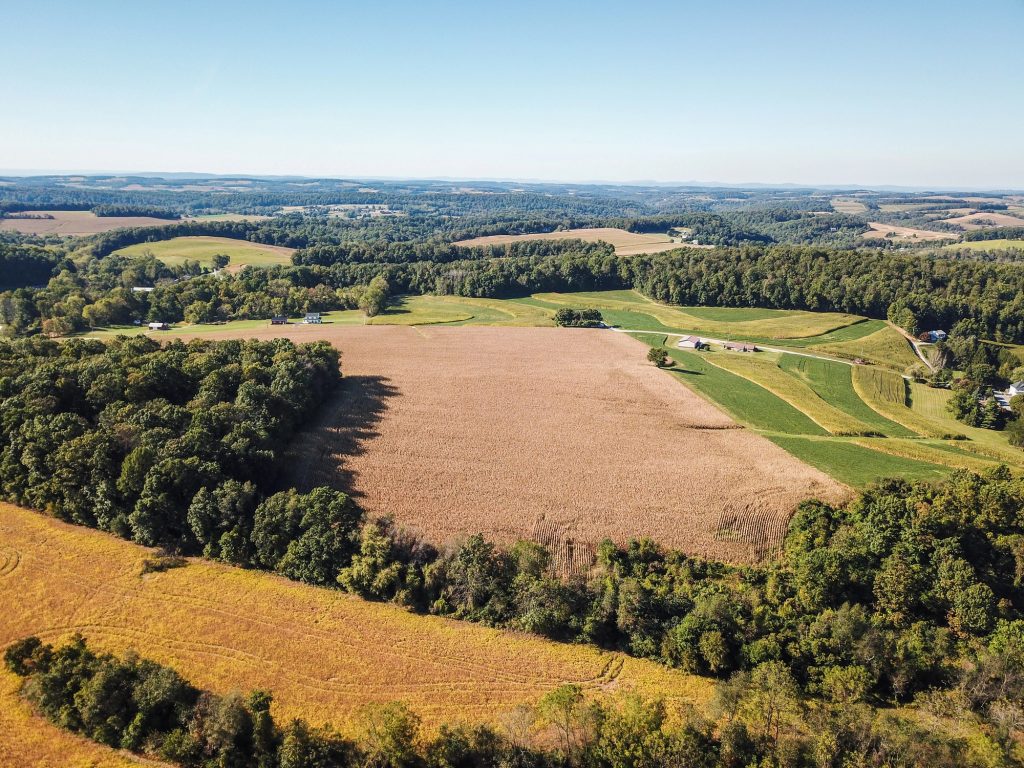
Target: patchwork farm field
(802,384)
(76,223)
(614,447)
(626,243)
(322,653)
(175,251)
(905,234)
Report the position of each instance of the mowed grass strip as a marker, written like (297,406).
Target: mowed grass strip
(885,346)
(856,465)
(921,450)
(833,383)
(764,370)
(177,250)
(886,392)
(322,653)
(744,400)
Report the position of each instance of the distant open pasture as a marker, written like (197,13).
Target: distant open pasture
(848,205)
(626,243)
(1000,244)
(566,436)
(905,234)
(76,223)
(177,250)
(323,654)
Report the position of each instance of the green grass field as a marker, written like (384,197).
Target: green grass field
(458,310)
(175,251)
(345,317)
(833,382)
(741,323)
(764,370)
(1001,244)
(886,346)
(857,465)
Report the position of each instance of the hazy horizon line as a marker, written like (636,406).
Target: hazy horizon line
(42,172)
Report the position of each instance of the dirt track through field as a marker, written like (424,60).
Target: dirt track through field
(567,436)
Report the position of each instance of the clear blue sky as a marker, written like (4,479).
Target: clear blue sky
(905,92)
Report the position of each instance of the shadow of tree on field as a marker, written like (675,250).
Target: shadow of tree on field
(346,422)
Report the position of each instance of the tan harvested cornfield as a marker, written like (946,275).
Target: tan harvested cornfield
(76,223)
(563,435)
(626,243)
(323,654)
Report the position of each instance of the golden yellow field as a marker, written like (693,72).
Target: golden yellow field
(322,653)
(626,243)
(567,436)
(77,223)
(905,234)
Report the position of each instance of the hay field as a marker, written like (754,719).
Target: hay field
(175,251)
(77,223)
(567,436)
(322,653)
(626,243)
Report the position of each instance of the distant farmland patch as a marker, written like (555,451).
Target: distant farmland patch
(564,436)
(905,234)
(202,249)
(74,222)
(1000,244)
(626,243)
(986,220)
(848,205)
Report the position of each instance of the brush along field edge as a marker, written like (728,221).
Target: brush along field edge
(321,652)
(565,436)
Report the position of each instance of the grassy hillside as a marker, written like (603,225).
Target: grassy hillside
(202,249)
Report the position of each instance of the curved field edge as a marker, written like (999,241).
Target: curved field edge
(766,372)
(28,739)
(323,653)
(780,324)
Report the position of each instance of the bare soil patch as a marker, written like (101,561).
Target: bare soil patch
(626,243)
(76,223)
(565,436)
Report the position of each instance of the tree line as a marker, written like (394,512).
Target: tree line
(758,719)
(176,446)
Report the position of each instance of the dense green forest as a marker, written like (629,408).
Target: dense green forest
(176,445)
